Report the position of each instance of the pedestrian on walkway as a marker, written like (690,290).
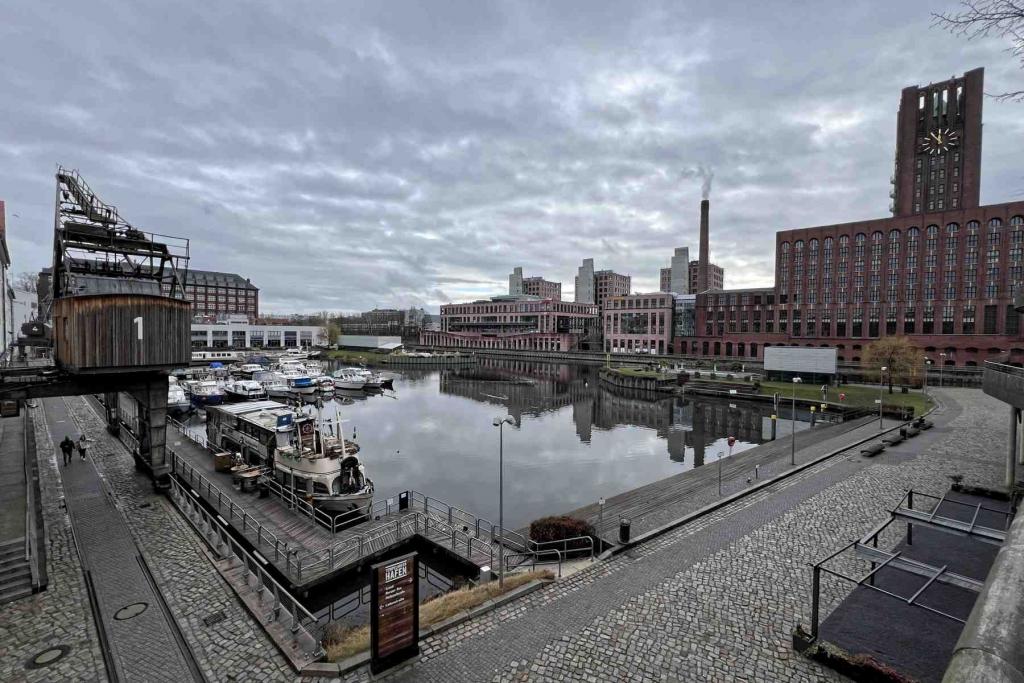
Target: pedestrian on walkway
(67,447)
(82,443)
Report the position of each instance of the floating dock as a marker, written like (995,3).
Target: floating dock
(298,541)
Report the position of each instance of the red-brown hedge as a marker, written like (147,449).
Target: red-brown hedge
(559,527)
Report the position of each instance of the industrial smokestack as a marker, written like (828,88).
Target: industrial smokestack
(702,262)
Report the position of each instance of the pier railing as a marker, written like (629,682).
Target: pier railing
(481,528)
(256,577)
(463,532)
(198,439)
(264,539)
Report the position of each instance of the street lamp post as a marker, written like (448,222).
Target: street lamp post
(792,441)
(927,363)
(881,389)
(942,362)
(500,423)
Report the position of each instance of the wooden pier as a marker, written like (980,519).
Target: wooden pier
(298,540)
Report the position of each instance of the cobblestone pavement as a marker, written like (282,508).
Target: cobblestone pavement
(233,648)
(59,616)
(697,488)
(143,646)
(716,600)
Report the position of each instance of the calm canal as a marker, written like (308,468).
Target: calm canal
(575,441)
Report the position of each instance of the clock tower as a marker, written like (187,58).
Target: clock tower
(938,146)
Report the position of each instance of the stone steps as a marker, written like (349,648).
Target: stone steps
(15,571)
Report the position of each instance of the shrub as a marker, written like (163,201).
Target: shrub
(559,527)
(696,374)
(714,375)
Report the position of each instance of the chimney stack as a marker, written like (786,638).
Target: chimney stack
(702,262)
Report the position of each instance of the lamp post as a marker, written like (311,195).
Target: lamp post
(942,362)
(792,442)
(881,388)
(927,363)
(500,423)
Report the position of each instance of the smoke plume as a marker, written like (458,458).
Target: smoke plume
(705,174)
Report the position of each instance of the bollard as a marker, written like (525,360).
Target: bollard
(624,531)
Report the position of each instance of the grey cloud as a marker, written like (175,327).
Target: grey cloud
(351,155)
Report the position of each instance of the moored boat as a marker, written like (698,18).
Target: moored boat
(245,390)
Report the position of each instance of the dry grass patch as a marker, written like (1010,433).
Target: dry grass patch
(341,643)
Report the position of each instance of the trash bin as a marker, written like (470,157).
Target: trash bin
(264,490)
(623,530)
(903,432)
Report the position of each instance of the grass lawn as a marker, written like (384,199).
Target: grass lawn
(638,372)
(342,643)
(858,395)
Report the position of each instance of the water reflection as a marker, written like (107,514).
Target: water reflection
(576,440)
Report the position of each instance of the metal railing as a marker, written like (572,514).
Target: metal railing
(1004,368)
(465,533)
(251,528)
(213,531)
(483,528)
(519,560)
(197,439)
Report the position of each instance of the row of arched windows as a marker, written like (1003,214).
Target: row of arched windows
(1016,223)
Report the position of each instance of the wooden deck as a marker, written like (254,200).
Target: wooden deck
(303,551)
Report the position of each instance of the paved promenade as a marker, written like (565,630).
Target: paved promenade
(716,600)
(117,520)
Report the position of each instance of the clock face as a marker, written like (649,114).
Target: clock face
(939,141)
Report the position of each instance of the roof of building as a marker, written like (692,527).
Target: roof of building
(95,284)
(218,279)
(741,290)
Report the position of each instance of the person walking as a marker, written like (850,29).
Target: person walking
(82,443)
(67,447)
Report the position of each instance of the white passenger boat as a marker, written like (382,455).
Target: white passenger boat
(177,401)
(303,454)
(245,390)
(348,378)
(247,370)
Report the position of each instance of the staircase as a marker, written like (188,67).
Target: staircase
(15,571)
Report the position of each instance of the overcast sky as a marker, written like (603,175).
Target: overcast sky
(347,155)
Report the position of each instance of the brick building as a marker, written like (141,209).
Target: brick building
(944,278)
(533,286)
(716,276)
(213,294)
(513,322)
(608,284)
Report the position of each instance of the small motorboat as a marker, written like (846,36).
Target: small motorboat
(207,392)
(177,401)
(348,378)
(245,390)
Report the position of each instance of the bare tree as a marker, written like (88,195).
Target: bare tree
(985,18)
(26,281)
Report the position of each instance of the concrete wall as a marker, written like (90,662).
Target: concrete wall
(1005,383)
(990,648)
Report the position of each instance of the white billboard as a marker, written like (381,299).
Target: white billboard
(800,359)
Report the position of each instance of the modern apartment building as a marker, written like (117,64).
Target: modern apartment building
(638,323)
(513,322)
